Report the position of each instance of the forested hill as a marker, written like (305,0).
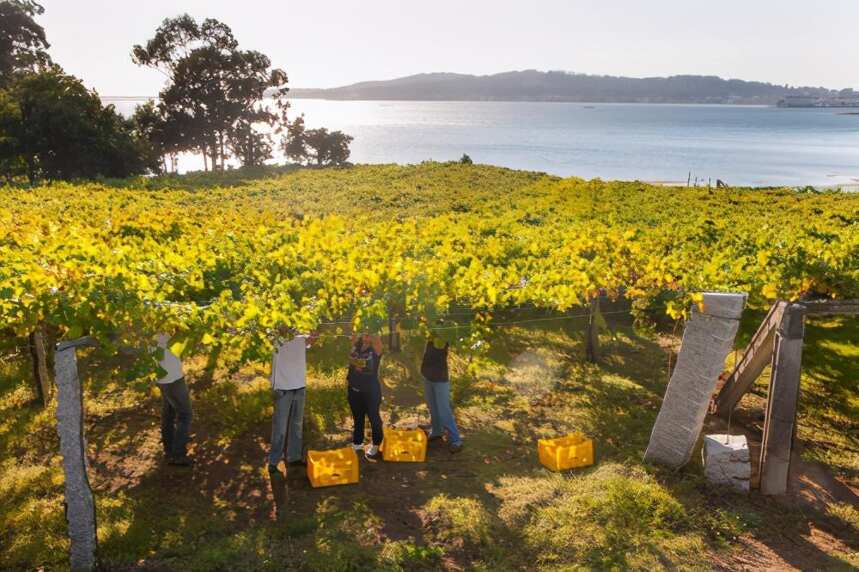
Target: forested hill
(532,85)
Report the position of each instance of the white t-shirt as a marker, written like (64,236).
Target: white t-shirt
(170,362)
(289,364)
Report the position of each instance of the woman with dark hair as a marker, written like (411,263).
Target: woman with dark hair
(365,391)
(437,390)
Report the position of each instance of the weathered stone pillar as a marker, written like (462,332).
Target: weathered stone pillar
(707,339)
(80,506)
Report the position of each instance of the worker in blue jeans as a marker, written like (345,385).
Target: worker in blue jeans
(288,386)
(437,391)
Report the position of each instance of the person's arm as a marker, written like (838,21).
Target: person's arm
(273,368)
(311,338)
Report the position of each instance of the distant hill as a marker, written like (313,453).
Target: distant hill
(533,85)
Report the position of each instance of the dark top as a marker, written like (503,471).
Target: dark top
(434,365)
(363,367)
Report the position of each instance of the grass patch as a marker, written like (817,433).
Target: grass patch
(492,507)
(611,517)
(32,527)
(847,514)
(346,538)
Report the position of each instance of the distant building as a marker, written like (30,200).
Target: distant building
(850,99)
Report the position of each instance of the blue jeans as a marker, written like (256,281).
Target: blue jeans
(288,411)
(176,417)
(438,401)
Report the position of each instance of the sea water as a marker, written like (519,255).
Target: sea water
(740,145)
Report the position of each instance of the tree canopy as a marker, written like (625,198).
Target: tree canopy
(215,91)
(53,127)
(22,40)
(219,100)
(318,146)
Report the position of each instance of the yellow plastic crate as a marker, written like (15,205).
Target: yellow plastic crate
(404,445)
(336,467)
(568,452)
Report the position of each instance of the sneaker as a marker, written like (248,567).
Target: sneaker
(373,453)
(272,469)
(183,461)
(455,447)
(297,463)
(358,446)
(432,438)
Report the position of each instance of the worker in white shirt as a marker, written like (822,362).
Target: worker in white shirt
(176,411)
(288,382)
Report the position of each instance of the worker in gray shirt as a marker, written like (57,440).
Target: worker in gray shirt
(176,411)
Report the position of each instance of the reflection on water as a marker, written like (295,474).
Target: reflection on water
(738,144)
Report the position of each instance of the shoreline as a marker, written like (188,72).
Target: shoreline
(852,187)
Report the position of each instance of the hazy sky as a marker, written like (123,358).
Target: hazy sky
(326,43)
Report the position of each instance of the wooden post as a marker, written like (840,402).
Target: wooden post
(592,342)
(79,503)
(756,357)
(40,365)
(780,421)
(393,334)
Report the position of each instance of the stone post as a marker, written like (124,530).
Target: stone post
(707,339)
(79,503)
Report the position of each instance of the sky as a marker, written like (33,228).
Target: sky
(327,43)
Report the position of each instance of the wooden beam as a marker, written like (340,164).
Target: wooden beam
(832,307)
(780,421)
(754,360)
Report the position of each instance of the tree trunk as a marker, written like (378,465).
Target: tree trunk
(40,366)
(205,159)
(221,145)
(31,170)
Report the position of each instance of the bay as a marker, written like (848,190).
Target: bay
(741,145)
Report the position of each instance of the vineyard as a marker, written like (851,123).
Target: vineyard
(226,266)
(503,264)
